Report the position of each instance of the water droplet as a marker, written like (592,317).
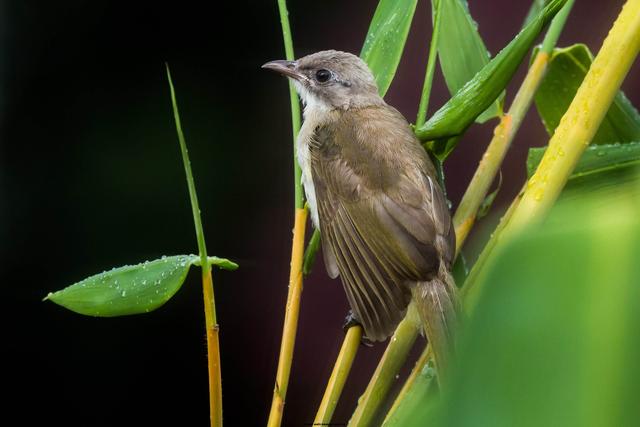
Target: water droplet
(124,293)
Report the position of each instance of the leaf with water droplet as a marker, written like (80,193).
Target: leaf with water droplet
(131,289)
(461,51)
(454,117)
(566,71)
(596,158)
(385,39)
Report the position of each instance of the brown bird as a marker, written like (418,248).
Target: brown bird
(372,190)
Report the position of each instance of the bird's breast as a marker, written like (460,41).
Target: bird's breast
(312,119)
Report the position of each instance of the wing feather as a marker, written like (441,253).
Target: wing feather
(379,222)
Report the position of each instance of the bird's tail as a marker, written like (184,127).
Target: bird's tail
(437,303)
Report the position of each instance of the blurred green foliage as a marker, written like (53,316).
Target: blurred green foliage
(554,338)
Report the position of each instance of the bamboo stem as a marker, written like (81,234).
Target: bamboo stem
(392,360)
(290,320)
(295,104)
(292,309)
(213,350)
(211,322)
(503,136)
(339,376)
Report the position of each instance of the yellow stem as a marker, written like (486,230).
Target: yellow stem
(213,351)
(339,376)
(290,320)
(503,136)
(395,354)
(583,117)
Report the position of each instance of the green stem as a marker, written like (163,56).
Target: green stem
(211,322)
(431,66)
(292,308)
(193,196)
(295,104)
(556,27)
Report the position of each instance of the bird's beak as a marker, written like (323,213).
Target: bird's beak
(286,68)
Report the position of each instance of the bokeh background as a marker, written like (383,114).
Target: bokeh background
(91,178)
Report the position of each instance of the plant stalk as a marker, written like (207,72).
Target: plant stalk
(583,117)
(503,136)
(295,104)
(292,309)
(290,320)
(399,346)
(211,322)
(339,376)
(430,70)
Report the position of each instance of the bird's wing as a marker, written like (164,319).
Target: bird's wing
(379,222)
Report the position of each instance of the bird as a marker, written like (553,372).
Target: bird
(373,192)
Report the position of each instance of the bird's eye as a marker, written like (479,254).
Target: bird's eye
(323,75)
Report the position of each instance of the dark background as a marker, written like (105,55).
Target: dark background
(91,178)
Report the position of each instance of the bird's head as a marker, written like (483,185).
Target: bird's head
(330,79)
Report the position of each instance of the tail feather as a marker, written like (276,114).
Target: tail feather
(437,304)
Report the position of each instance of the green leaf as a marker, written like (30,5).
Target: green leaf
(310,253)
(478,94)
(534,10)
(461,51)
(131,289)
(567,69)
(222,263)
(385,40)
(596,158)
(553,340)
(460,269)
